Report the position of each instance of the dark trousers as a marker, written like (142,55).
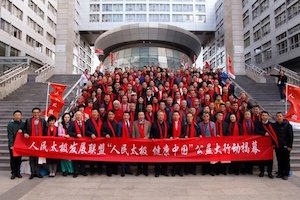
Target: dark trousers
(268,163)
(15,163)
(234,168)
(125,168)
(92,167)
(207,168)
(79,166)
(111,168)
(281,89)
(34,166)
(283,160)
(248,167)
(177,168)
(221,168)
(161,168)
(190,168)
(142,167)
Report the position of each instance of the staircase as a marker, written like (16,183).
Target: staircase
(30,95)
(267,96)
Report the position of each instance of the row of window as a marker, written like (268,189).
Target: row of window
(143,7)
(11,52)
(13,9)
(202,1)
(143,18)
(9,28)
(36,9)
(31,23)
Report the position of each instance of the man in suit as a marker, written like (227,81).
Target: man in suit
(14,127)
(160,130)
(34,127)
(265,128)
(206,129)
(177,130)
(141,129)
(110,129)
(77,130)
(93,130)
(125,131)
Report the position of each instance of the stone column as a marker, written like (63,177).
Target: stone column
(234,35)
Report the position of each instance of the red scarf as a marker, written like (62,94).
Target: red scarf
(78,131)
(126,107)
(159,96)
(132,114)
(111,128)
(225,97)
(97,126)
(150,119)
(235,131)
(162,135)
(177,133)
(54,131)
(219,128)
(256,118)
(155,107)
(210,130)
(246,131)
(141,129)
(190,132)
(125,133)
(40,128)
(272,133)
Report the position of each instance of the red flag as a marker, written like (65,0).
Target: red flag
(111,56)
(195,58)
(207,65)
(56,100)
(99,51)
(230,68)
(293,96)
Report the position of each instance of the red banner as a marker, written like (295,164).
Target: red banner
(293,96)
(56,99)
(207,65)
(230,148)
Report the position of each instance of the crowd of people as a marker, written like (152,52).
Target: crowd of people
(157,103)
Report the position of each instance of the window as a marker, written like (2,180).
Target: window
(51,23)
(52,8)
(95,7)
(6,4)
(50,53)
(266,29)
(280,19)
(281,36)
(94,17)
(50,38)
(294,41)
(14,51)
(107,7)
(256,35)
(17,33)
(247,42)
(294,10)
(30,41)
(5,26)
(17,12)
(282,47)
(200,8)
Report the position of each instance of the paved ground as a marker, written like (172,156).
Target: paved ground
(132,187)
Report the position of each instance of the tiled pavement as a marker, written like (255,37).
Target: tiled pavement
(132,187)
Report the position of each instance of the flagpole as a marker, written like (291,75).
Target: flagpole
(286,96)
(48,90)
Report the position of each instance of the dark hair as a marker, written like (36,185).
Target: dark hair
(112,111)
(63,119)
(36,108)
(51,118)
(80,106)
(279,113)
(126,112)
(264,112)
(17,111)
(95,109)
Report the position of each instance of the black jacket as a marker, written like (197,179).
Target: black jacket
(106,130)
(284,132)
(28,128)
(155,134)
(90,128)
(225,130)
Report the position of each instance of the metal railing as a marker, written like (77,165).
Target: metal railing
(12,77)
(293,77)
(13,71)
(44,69)
(72,95)
(256,70)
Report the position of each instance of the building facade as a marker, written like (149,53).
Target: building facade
(228,39)
(28,28)
(272,33)
(194,20)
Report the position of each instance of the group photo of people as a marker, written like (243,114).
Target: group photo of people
(156,103)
